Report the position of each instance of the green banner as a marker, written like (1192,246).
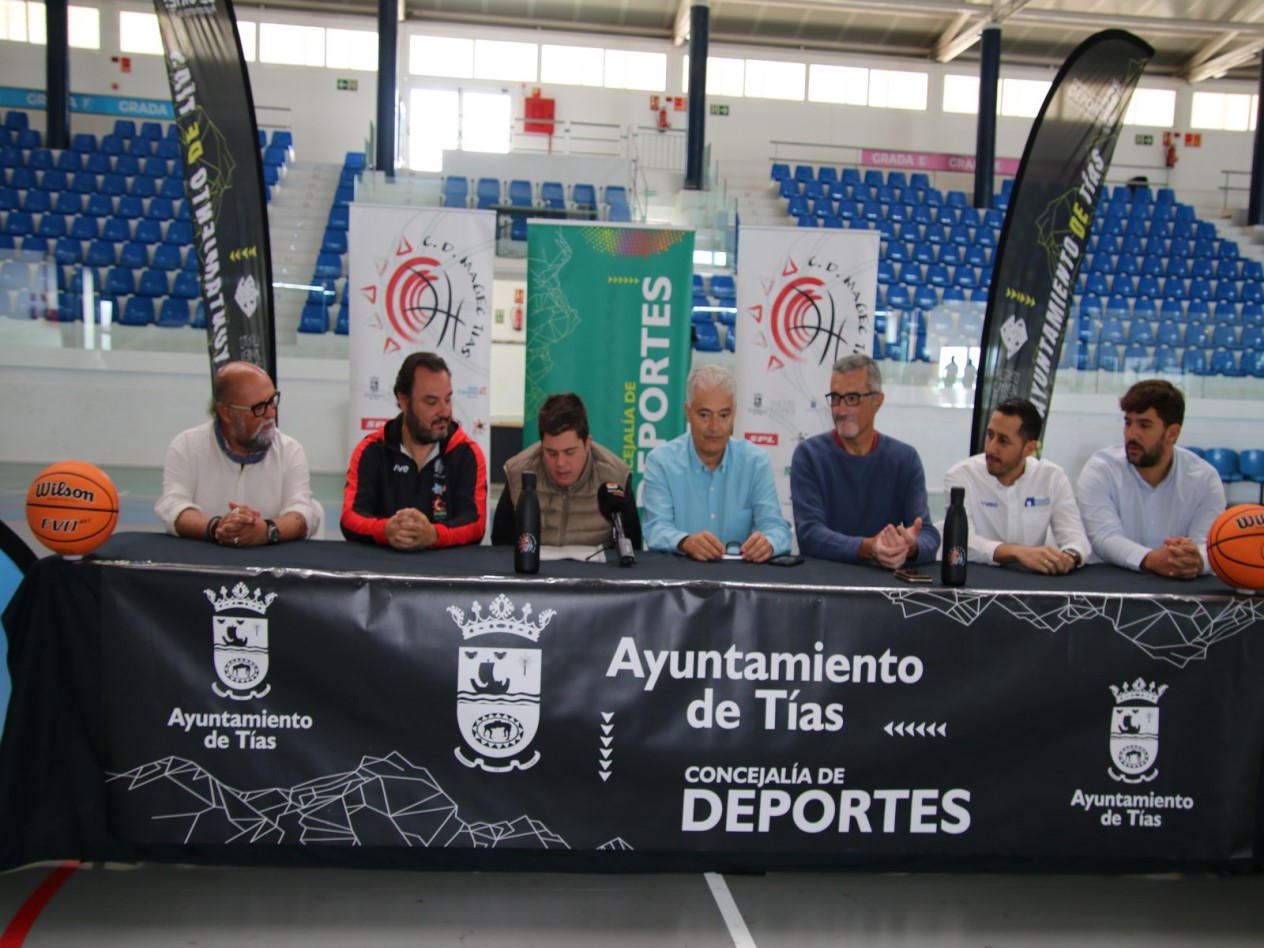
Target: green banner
(609,312)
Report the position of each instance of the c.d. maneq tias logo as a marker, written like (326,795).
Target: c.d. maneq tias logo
(498,688)
(811,312)
(240,641)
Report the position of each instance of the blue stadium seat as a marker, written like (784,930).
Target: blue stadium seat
(706,337)
(584,196)
(1166,359)
(456,191)
(1169,333)
(487,192)
(138,311)
(173,313)
(179,233)
(1108,358)
(328,265)
(133,255)
(68,251)
(1137,359)
(723,289)
(1140,333)
(52,226)
(119,281)
(314,318)
(1224,336)
(334,241)
(553,194)
(339,218)
(167,257)
(153,283)
(186,286)
(1225,362)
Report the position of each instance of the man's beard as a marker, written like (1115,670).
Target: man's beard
(1147,459)
(422,434)
(258,441)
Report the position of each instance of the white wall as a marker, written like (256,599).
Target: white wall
(327,122)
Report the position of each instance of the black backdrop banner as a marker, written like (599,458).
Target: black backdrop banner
(223,178)
(291,714)
(1051,209)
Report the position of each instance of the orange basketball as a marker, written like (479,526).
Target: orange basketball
(72,507)
(1235,546)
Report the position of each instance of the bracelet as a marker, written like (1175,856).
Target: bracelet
(211,526)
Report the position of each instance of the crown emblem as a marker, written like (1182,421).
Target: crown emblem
(1138,691)
(240,598)
(500,618)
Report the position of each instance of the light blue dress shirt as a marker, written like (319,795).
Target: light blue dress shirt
(682,496)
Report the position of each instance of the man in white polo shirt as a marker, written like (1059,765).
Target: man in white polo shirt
(1014,500)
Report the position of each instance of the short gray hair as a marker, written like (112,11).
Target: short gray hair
(858,360)
(708,375)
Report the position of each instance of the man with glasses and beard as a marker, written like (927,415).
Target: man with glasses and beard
(1021,508)
(1148,504)
(418,482)
(237,480)
(858,495)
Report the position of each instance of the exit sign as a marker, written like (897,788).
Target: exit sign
(1145,139)
(348,85)
(719,110)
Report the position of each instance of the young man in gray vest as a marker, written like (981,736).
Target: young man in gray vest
(570,470)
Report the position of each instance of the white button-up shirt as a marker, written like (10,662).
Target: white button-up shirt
(1024,513)
(1126,518)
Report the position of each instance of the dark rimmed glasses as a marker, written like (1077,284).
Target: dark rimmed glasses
(259,409)
(850,399)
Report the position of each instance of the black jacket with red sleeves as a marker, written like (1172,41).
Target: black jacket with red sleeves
(451,489)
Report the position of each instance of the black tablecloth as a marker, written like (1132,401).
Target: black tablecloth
(317,703)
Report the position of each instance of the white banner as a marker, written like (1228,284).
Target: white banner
(420,279)
(805,298)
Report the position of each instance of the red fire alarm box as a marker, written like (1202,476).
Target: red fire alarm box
(539,116)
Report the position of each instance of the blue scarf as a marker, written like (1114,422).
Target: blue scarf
(239,458)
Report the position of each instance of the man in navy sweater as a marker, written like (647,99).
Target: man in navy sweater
(858,495)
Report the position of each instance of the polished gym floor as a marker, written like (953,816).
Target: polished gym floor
(157,905)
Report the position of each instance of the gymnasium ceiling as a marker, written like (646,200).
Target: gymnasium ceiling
(1193,39)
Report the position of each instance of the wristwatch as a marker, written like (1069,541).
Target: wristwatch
(1075,555)
(274,535)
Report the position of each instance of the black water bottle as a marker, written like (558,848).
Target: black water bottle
(527,511)
(956,538)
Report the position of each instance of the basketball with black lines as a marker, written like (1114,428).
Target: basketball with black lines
(72,507)
(1235,546)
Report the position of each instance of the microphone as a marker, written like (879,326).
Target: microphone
(610,500)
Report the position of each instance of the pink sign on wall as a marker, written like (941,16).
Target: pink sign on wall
(925,161)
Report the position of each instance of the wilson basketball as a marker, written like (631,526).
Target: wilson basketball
(1235,546)
(72,507)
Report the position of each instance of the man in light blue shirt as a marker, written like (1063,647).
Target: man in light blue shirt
(707,492)
(1148,504)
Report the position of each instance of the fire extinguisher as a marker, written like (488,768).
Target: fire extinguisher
(664,122)
(1170,157)
(517,318)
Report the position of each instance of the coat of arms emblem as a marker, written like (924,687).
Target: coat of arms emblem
(498,686)
(240,637)
(1134,731)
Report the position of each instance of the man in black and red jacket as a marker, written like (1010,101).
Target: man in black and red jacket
(419,481)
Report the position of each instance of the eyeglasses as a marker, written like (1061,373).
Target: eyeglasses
(259,409)
(850,399)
